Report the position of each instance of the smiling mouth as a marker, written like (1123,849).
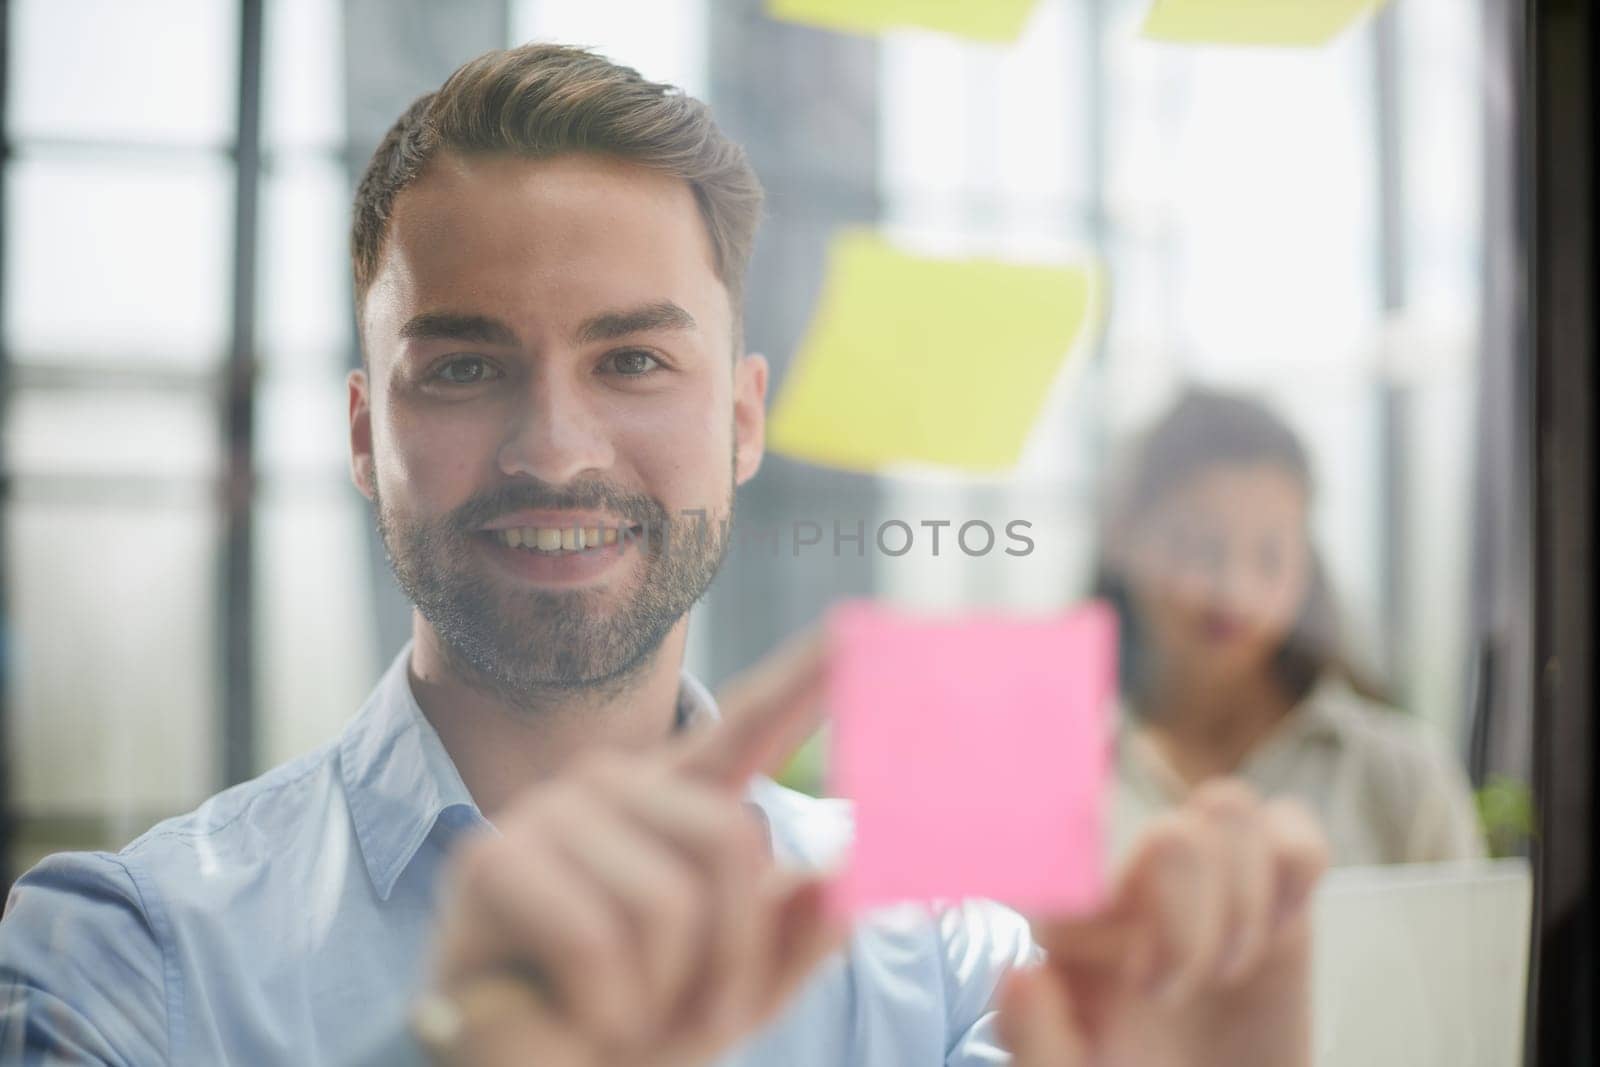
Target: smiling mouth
(552,541)
(1222,627)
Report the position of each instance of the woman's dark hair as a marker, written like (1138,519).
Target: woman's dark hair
(1205,429)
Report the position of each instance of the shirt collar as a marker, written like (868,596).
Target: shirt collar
(400,781)
(696,706)
(1325,713)
(1321,718)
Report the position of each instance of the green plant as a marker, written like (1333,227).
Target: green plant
(1506,813)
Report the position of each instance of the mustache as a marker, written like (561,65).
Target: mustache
(637,508)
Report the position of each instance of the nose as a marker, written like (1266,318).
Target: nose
(555,434)
(1238,588)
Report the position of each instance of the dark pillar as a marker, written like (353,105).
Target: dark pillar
(1563,320)
(238,733)
(7,818)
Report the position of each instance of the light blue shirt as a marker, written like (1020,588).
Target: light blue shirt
(286,921)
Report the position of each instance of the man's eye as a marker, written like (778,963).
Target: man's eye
(633,363)
(465,370)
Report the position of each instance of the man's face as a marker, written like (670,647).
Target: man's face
(551,365)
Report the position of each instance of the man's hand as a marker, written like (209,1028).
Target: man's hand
(630,912)
(1201,956)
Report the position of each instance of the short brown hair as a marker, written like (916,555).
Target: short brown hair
(542,100)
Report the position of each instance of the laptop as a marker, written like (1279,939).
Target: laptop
(1422,965)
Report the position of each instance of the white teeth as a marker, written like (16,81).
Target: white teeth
(550,539)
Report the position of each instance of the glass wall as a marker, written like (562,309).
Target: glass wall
(1300,227)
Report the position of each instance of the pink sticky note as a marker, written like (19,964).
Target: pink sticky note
(977,754)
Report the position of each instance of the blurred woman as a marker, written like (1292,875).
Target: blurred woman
(1231,661)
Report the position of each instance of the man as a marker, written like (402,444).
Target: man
(534,844)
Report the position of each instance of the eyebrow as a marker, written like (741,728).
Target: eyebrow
(454,326)
(611,325)
(606,326)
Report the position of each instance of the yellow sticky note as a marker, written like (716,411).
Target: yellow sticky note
(920,360)
(999,21)
(1261,22)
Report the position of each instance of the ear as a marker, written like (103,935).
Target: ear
(360,432)
(749,415)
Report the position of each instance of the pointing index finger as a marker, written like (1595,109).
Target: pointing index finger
(768,711)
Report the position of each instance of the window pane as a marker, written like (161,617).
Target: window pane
(990,140)
(1277,213)
(302,74)
(663,40)
(315,645)
(316,642)
(1441,107)
(113,689)
(118,260)
(112,434)
(162,71)
(925,83)
(302,430)
(304,321)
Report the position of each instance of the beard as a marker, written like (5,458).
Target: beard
(523,643)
